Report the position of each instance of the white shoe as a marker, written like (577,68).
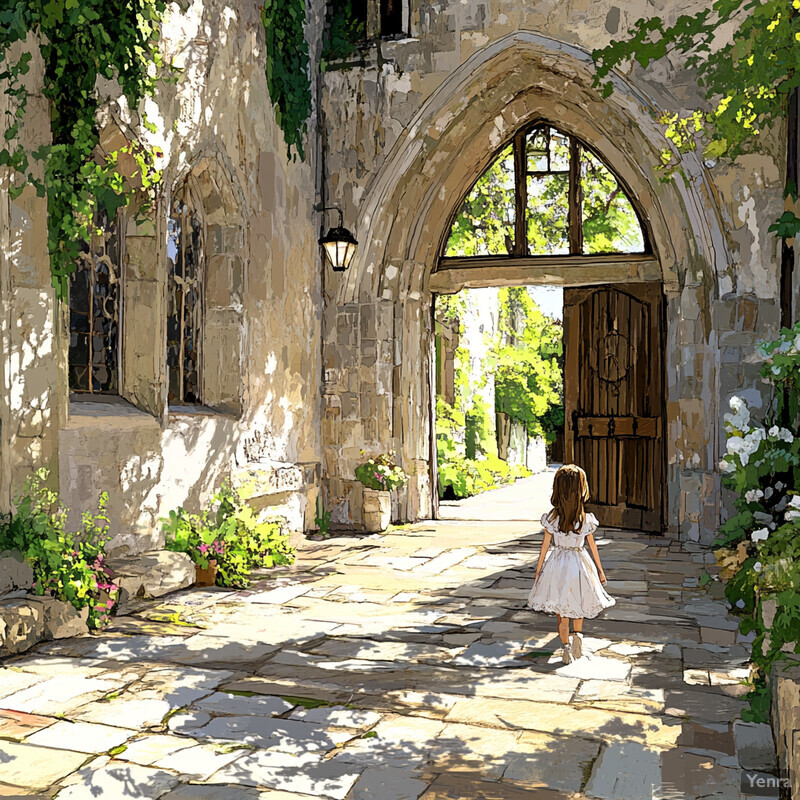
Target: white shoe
(566,654)
(577,645)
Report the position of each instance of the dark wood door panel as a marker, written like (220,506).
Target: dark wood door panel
(614,399)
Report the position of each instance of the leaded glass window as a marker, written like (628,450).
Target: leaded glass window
(186,257)
(94,312)
(547,194)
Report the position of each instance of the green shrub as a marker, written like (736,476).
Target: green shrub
(468,476)
(67,565)
(230,533)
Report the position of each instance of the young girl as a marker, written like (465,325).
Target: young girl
(566,582)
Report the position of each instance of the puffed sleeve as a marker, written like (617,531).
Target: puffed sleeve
(546,524)
(591,524)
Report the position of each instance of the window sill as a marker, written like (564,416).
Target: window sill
(94,409)
(177,412)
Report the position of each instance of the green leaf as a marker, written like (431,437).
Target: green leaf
(787,225)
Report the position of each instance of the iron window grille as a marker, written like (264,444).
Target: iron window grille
(185,312)
(95,311)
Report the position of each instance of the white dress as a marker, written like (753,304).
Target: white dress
(569,584)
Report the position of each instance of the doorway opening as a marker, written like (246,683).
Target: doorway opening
(549,212)
(499,362)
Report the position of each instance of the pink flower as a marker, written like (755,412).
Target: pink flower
(203,548)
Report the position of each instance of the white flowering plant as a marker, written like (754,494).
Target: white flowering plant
(381,473)
(762,466)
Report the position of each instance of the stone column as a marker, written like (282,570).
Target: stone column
(33,332)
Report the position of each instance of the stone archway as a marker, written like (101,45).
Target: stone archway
(379,320)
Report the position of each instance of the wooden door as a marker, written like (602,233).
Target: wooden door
(613,398)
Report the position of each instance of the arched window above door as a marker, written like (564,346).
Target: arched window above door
(547,194)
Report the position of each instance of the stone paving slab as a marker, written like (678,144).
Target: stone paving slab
(146,750)
(13,681)
(121,780)
(60,695)
(286,735)
(388,783)
(205,792)
(474,787)
(83,737)
(394,666)
(302,773)
(625,771)
(18,724)
(553,762)
(607,695)
(337,716)
(199,762)
(555,718)
(33,767)
(227,703)
(346,647)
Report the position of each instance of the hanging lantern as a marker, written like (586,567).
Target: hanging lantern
(339,244)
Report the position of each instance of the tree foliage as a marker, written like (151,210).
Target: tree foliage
(747,79)
(80,40)
(526,355)
(466,442)
(524,358)
(485,224)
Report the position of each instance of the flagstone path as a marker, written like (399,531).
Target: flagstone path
(393,667)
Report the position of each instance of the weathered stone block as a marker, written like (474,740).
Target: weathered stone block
(746,314)
(15,573)
(151,575)
(21,625)
(142,258)
(258,480)
(755,747)
(60,620)
(218,282)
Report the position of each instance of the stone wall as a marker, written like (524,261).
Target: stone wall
(261,335)
(785,684)
(410,125)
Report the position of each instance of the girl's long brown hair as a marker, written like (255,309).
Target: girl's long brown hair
(570,493)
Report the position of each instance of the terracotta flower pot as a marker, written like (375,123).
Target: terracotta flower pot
(377,510)
(207,576)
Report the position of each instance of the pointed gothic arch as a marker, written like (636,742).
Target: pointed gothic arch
(404,218)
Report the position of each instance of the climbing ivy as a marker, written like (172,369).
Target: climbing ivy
(747,80)
(80,40)
(288,77)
